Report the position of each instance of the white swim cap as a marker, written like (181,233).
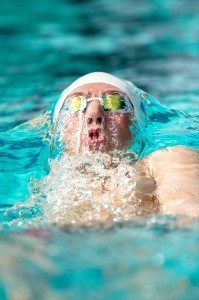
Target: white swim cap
(94,77)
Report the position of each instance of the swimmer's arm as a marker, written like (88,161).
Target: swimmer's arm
(145,187)
(145,183)
(176,173)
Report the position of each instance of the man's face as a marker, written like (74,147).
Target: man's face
(96,129)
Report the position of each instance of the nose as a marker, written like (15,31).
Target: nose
(95,114)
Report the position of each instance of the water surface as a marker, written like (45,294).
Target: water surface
(44,46)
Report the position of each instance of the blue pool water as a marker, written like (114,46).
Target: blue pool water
(44,46)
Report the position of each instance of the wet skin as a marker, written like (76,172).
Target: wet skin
(171,175)
(96,129)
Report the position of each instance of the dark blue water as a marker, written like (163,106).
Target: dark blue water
(44,46)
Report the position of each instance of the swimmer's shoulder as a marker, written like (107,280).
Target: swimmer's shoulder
(176,151)
(164,163)
(176,157)
(171,163)
(175,171)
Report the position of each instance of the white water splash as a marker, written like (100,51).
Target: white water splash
(94,188)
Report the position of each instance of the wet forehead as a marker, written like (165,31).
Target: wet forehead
(95,89)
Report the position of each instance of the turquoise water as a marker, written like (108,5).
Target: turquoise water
(44,46)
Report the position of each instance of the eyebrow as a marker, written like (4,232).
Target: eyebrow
(113,91)
(87,94)
(75,94)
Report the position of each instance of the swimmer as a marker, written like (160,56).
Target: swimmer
(99,111)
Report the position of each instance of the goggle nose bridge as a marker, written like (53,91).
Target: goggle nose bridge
(87,100)
(94,98)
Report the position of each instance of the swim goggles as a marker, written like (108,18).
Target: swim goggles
(110,102)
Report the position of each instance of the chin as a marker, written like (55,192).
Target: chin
(96,147)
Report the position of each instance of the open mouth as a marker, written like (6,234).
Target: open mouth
(95,136)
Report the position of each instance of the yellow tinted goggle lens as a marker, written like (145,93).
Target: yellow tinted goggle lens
(112,102)
(75,103)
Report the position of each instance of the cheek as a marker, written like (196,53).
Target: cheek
(125,120)
(71,127)
(119,130)
(119,122)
